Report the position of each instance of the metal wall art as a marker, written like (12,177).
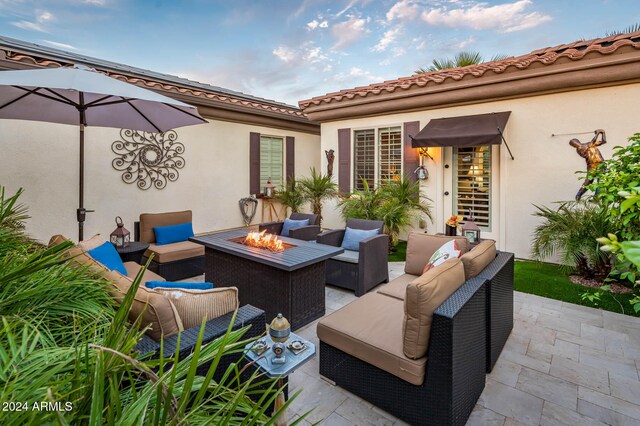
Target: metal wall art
(148,159)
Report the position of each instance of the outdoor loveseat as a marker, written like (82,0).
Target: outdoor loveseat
(421,345)
(174,261)
(169,316)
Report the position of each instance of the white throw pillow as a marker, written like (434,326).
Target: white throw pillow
(448,250)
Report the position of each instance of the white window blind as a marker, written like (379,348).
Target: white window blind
(472,183)
(389,153)
(364,157)
(271,160)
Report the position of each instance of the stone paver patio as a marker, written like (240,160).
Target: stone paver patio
(563,364)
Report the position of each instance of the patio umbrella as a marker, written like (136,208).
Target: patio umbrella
(85,97)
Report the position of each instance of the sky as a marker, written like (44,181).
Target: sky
(293,50)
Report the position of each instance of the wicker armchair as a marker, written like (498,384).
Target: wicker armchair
(306,233)
(362,270)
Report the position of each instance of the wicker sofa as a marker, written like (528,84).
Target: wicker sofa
(369,346)
(174,261)
(159,311)
(306,233)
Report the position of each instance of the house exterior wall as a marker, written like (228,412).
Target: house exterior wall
(42,158)
(543,171)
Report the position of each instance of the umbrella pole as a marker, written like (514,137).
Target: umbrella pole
(81,211)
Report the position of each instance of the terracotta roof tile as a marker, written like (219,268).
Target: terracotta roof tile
(547,56)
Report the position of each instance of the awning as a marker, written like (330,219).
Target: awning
(469,130)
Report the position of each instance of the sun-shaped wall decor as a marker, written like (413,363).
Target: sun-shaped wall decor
(148,159)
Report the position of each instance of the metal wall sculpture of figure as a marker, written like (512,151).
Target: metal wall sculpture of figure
(330,157)
(590,152)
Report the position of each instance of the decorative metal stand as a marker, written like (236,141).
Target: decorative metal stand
(248,207)
(148,159)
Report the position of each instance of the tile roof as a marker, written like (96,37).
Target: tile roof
(547,56)
(42,56)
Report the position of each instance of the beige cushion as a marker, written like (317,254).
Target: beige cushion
(398,287)
(132,271)
(175,251)
(149,220)
(478,258)
(423,296)
(155,308)
(91,243)
(194,305)
(370,329)
(421,246)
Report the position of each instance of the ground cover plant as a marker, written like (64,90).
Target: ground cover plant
(68,357)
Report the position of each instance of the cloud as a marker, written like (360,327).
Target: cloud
(349,31)
(404,9)
(317,24)
(357,74)
(464,43)
(41,18)
(60,45)
(27,25)
(284,53)
(308,53)
(505,17)
(346,9)
(95,2)
(387,38)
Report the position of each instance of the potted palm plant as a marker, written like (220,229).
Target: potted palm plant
(290,195)
(317,189)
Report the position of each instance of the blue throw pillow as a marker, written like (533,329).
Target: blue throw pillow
(290,224)
(352,237)
(173,233)
(182,285)
(109,257)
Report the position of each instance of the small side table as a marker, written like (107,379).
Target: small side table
(133,252)
(281,371)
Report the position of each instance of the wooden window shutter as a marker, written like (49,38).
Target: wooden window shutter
(344,160)
(290,171)
(254,163)
(411,157)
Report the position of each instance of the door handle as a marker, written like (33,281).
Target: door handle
(446,192)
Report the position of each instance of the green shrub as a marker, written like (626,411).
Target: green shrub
(398,204)
(570,231)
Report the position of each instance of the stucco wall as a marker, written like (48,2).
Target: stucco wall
(43,159)
(544,167)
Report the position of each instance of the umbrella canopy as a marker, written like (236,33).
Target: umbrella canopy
(85,97)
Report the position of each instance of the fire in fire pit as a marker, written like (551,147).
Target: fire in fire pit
(264,241)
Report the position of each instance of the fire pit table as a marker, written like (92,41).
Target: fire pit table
(290,282)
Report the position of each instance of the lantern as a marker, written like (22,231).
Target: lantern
(471,230)
(269,189)
(120,237)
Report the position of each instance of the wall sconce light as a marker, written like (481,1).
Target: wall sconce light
(424,152)
(421,172)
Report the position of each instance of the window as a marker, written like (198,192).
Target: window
(390,154)
(364,158)
(472,184)
(379,161)
(271,160)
